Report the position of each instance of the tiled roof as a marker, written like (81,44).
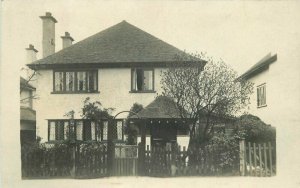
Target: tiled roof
(25,85)
(121,43)
(258,67)
(162,107)
(27,114)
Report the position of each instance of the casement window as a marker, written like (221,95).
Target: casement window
(261,95)
(85,130)
(59,130)
(142,80)
(75,81)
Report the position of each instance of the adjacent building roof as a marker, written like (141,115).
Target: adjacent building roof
(162,107)
(263,64)
(27,114)
(24,85)
(120,45)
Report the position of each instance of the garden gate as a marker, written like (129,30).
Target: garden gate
(125,160)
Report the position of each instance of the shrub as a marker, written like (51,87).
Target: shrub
(253,129)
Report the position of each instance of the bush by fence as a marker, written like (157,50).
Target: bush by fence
(64,160)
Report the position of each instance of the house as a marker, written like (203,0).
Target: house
(118,66)
(263,99)
(27,113)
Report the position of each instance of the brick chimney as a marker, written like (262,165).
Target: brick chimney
(48,34)
(31,54)
(66,40)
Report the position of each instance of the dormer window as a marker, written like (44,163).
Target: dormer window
(75,81)
(142,80)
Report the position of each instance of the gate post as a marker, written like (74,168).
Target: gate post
(142,149)
(73,158)
(242,157)
(110,146)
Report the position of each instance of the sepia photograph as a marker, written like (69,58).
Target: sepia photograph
(141,93)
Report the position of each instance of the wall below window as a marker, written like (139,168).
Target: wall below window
(114,87)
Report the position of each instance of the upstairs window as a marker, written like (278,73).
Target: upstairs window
(75,81)
(261,95)
(142,80)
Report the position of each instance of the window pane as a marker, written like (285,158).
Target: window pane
(79,128)
(52,130)
(87,130)
(70,81)
(139,79)
(58,81)
(148,80)
(92,81)
(133,81)
(66,130)
(81,81)
(93,130)
(119,130)
(59,130)
(98,132)
(105,126)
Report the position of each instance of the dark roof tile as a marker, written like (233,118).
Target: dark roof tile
(121,43)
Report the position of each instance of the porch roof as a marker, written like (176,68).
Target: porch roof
(161,108)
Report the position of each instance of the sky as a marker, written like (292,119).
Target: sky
(240,33)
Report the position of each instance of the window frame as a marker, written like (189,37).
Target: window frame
(58,122)
(132,90)
(76,91)
(261,95)
(98,130)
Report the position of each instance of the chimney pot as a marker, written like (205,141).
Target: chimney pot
(31,54)
(67,40)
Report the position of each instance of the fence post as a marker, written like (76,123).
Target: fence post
(142,148)
(242,157)
(110,146)
(73,158)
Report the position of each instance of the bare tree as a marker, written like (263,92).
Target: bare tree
(204,94)
(31,76)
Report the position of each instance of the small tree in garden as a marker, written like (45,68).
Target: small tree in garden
(95,110)
(203,93)
(131,129)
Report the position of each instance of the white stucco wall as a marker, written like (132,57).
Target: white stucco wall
(114,85)
(26,99)
(282,93)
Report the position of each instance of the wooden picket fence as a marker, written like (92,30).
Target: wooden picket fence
(64,161)
(257,159)
(163,161)
(46,161)
(91,160)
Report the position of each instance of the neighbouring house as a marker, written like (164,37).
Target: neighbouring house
(263,99)
(27,113)
(118,66)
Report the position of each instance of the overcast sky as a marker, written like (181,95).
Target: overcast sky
(240,33)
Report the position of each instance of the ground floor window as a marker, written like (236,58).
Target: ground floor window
(84,130)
